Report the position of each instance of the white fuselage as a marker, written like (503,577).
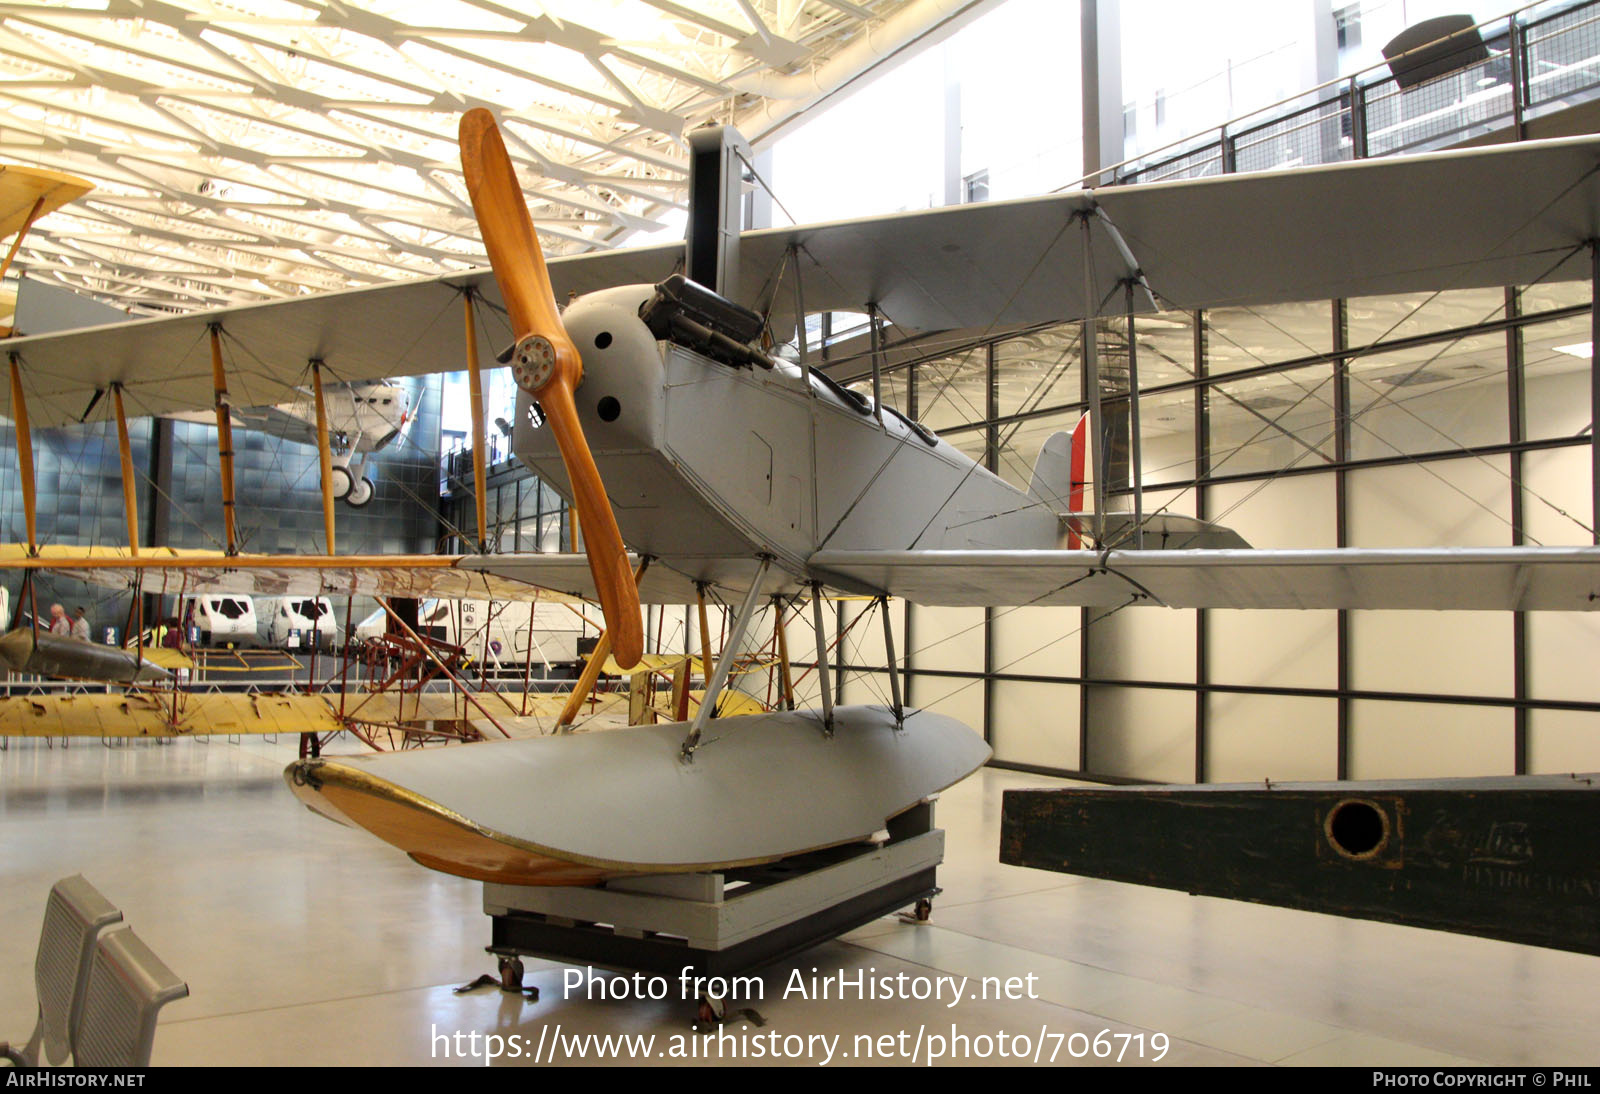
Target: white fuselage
(704,461)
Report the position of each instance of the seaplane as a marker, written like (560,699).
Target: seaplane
(695,458)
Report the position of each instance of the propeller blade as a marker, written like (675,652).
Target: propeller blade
(548,367)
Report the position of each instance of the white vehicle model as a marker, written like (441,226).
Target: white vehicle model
(293,622)
(497,634)
(363,418)
(504,636)
(228,620)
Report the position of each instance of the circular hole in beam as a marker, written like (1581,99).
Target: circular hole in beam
(1357,829)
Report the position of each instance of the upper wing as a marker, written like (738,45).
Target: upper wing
(1498,216)
(1472,578)
(1479,217)
(404,328)
(33,192)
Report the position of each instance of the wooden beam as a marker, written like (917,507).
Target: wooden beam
(591,671)
(130,495)
(33,215)
(705,633)
(783,654)
(1507,857)
(586,680)
(324,454)
(475,386)
(219,384)
(19,413)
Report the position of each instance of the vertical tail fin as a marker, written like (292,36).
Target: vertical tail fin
(1058,475)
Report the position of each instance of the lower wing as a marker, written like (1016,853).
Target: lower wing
(1446,578)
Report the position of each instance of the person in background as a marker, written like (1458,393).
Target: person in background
(59,623)
(80,623)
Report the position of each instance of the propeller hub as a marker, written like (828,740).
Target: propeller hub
(533,363)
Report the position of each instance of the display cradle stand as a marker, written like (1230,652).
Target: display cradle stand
(719,924)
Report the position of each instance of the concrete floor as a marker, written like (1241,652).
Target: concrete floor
(307,943)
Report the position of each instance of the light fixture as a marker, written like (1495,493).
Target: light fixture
(1578,349)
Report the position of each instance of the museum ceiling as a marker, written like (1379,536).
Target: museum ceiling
(244,150)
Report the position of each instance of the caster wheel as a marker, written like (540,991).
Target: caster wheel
(510,974)
(923,910)
(711,1010)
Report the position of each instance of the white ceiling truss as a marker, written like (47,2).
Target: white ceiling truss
(243,150)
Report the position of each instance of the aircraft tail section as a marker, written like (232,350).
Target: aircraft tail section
(1058,474)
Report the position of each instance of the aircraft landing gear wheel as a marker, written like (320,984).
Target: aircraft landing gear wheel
(360,494)
(923,910)
(510,974)
(341,482)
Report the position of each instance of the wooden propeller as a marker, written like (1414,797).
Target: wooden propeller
(546,365)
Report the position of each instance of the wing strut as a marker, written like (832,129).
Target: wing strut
(875,317)
(787,677)
(1134,456)
(324,454)
(219,385)
(591,670)
(705,632)
(33,215)
(475,386)
(130,496)
(1091,381)
(822,658)
(708,702)
(800,323)
(1594,385)
(1133,279)
(894,671)
(19,413)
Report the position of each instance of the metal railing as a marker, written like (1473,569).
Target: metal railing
(1540,61)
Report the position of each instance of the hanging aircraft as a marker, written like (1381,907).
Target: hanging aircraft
(26,194)
(669,429)
(363,418)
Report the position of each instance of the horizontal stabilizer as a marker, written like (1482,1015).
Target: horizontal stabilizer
(1161,532)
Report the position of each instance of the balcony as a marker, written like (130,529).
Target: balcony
(1541,79)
